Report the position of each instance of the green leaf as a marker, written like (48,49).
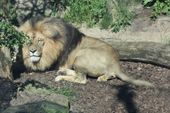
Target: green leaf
(147,1)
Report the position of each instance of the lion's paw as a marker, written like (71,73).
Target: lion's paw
(58,78)
(65,71)
(102,78)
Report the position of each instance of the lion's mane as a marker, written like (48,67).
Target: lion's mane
(58,37)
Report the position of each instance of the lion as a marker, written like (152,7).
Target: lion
(75,55)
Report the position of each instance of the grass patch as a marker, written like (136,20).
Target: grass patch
(70,93)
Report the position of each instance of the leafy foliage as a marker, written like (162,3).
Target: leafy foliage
(87,11)
(9,36)
(145,2)
(159,7)
(94,12)
(123,16)
(106,21)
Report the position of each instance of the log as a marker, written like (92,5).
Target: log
(149,52)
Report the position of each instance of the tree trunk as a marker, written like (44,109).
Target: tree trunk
(149,52)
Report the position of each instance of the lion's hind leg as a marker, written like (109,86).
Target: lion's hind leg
(70,75)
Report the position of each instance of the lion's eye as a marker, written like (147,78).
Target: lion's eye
(40,42)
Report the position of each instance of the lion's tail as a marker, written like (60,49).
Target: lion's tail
(137,82)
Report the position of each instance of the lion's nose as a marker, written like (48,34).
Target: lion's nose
(33,50)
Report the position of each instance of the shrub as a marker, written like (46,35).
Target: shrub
(106,21)
(94,12)
(123,15)
(88,11)
(9,36)
(159,7)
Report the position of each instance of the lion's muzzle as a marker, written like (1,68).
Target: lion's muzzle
(34,55)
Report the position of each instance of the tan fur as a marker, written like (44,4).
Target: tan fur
(87,56)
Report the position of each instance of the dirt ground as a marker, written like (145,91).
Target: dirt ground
(113,96)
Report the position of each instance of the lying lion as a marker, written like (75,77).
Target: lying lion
(55,42)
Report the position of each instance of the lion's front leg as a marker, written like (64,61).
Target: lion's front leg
(70,75)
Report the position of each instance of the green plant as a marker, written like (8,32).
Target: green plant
(9,36)
(98,12)
(65,91)
(70,93)
(159,7)
(123,16)
(87,11)
(106,21)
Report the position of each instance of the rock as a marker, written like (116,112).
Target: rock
(38,100)
(28,8)
(38,107)
(5,63)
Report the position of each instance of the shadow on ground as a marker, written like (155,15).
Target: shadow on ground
(7,91)
(126,96)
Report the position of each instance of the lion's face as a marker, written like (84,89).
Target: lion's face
(35,49)
(41,52)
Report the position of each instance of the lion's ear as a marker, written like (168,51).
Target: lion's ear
(24,27)
(50,32)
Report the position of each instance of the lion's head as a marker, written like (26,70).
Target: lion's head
(49,36)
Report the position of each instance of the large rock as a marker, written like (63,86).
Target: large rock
(38,107)
(38,100)
(29,8)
